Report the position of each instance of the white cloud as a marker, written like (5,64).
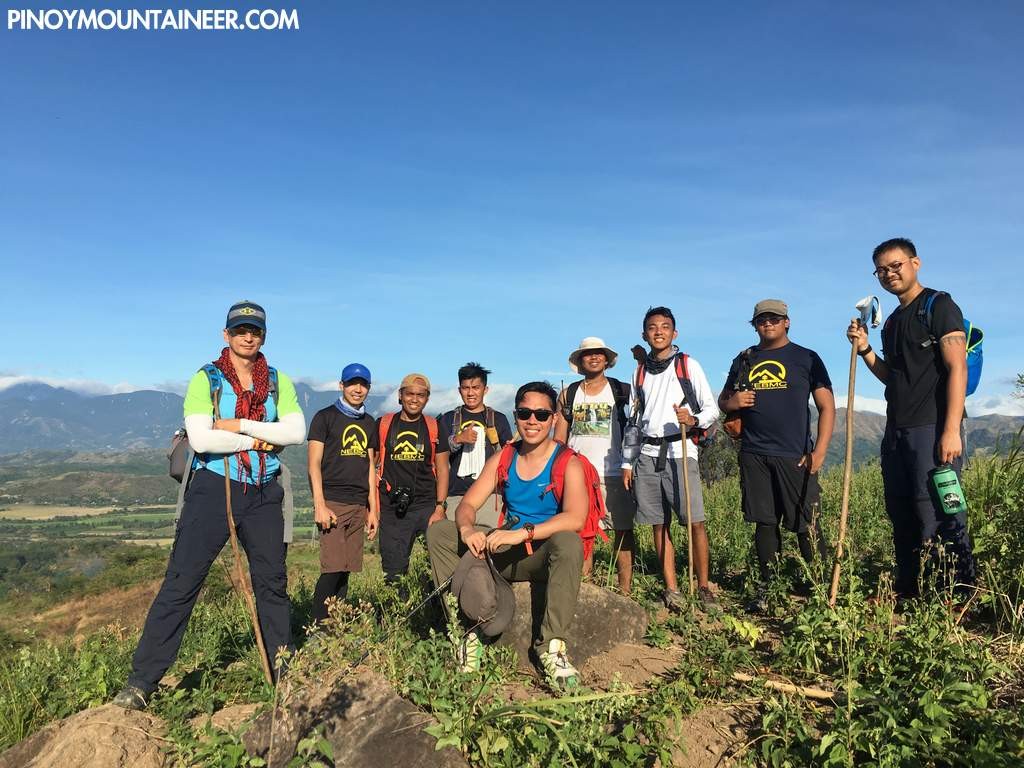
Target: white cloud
(81,386)
(1004,405)
(861,403)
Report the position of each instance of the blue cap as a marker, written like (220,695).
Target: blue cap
(355,371)
(246,312)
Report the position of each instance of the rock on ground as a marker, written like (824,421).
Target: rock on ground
(366,722)
(103,737)
(603,620)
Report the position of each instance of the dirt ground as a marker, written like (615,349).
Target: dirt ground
(78,618)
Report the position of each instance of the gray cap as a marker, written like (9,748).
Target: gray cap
(484,596)
(772,307)
(246,312)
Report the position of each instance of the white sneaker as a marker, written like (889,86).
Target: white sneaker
(469,652)
(560,673)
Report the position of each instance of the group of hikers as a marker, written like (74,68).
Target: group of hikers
(500,503)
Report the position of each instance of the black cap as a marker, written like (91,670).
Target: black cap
(246,312)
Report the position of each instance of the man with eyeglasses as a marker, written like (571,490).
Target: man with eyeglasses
(412,474)
(769,386)
(924,368)
(543,542)
(263,415)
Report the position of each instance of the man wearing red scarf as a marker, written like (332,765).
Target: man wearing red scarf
(240,385)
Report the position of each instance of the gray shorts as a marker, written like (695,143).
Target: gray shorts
(619,501)
(658,493)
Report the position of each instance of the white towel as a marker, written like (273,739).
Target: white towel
(472,460)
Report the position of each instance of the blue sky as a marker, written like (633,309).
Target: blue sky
(416,185)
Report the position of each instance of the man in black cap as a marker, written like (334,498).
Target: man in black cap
(768,386)
(237,455)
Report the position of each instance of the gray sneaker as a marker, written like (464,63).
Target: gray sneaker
(674,600)
(131,697)
(708,600)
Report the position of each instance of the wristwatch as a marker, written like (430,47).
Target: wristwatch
(528,527)
(865,352)
(442,504)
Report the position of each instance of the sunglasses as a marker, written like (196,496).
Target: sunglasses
(541,414)
(770,319)
(245,330)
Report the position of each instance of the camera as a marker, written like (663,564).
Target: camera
(400,498)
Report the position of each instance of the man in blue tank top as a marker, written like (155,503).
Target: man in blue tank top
(542,546)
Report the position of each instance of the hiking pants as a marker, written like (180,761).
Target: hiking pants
(556,562)
(201,534)
(908,455)
(397,535)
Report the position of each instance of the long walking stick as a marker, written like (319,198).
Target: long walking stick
(241,583)
(870,311)
(686,506)
(847,475)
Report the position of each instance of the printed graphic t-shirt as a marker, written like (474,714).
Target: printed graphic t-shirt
(916,390)
(779,422)
(457,486)
(595,430)
(408,456)
(198,402)
(346,462)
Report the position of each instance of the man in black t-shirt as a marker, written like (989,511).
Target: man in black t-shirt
(924,369)
(769,385)
(476,432)
(342,451)
(412,474)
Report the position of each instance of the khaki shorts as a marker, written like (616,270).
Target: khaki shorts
(621,507)
(486,515)
(341,545)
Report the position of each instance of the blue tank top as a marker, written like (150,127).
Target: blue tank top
(526,498)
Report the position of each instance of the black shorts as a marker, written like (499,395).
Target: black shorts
(776,490)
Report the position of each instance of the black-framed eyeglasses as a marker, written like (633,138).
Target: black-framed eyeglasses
(541,414)
(893,268)
(769,319)
(246,330)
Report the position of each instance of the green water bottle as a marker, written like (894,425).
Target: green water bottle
(947,488)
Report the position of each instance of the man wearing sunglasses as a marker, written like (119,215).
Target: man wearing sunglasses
(543,542)
(239,385)
(769,386)
(924,368)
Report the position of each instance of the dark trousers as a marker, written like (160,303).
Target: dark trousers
(908,455)
(201,534)
(397,534)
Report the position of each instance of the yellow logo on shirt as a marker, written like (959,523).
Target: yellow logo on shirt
(768,374)
(408,447)
(353,441)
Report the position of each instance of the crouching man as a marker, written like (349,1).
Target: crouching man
(542,542)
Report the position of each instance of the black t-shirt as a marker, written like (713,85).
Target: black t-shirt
(457,486)
(916,390)
(346,464)
(408,457)
(779,422)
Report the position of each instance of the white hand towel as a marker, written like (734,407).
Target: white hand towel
(472,460)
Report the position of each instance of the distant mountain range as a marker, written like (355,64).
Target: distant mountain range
(38,417)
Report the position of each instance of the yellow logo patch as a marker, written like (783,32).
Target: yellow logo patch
(408,447)
(768,374)
(247,311)
(353,441)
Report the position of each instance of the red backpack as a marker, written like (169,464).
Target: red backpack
(596,509)
(700,437)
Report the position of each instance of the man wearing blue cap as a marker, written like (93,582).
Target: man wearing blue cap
(342,451)
(236,455)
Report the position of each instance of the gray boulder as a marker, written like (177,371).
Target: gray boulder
(603,620)
(366,722)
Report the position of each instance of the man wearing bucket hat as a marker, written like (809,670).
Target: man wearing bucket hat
(768,387)
(342,454)
(543,544)
(234,474)
(590,418)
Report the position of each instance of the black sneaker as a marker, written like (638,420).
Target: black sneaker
(707,599)
(759,604)
(131,697)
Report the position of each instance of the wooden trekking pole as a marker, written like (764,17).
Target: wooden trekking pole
(847,475)
(241,583)
(686,506)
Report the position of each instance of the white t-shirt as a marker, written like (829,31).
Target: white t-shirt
(595,431)
(661,392)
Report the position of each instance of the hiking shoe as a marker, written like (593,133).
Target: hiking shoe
(131,697)
(469,654)
(674,600)
(759,603)
(559,672)
(707,599)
